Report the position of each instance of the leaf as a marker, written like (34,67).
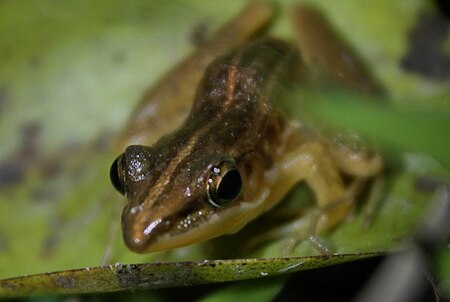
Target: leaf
(160,275)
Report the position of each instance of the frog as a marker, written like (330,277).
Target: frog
(209,150)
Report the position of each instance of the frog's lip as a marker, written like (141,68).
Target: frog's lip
(160,239)
(162,234)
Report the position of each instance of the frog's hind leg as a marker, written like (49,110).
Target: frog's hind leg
(328,54)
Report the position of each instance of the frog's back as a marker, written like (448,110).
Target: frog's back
(239,90)
(246,79)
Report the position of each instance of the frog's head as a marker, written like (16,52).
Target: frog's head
(176,198)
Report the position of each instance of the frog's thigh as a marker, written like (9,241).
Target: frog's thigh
(312,163)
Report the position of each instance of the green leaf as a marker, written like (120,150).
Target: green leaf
(160,275)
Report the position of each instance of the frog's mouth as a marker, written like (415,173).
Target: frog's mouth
(200,225)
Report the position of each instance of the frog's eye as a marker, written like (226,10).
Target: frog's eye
(117,174)
(224,184)
(131,168)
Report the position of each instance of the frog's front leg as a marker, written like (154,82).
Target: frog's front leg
(313,163)
(318,164)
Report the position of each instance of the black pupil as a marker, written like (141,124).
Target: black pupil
(230,185)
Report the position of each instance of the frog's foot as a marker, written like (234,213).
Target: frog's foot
(319,245)
(306,233)
(321,219)
(301,229)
